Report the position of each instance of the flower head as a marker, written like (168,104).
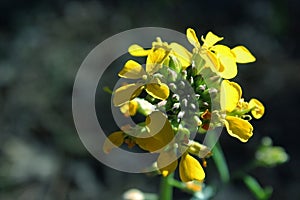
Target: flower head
(222,57)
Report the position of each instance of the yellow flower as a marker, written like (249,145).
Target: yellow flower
(190,169)
(174,49)
(153,86)
(223,58)
(230,96)
(257,107)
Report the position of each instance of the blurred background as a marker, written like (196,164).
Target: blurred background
(43,43)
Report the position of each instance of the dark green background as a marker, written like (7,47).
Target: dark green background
(42,44)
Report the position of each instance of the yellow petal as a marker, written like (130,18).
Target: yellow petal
(160,133)
(167,163)
(158,90)
(242,54)
(126,93)
(182,54)
(212,61)
(159,126)
(192,37)
(210,40)
(114,140)
(190,169)
(130,108)
(258,110)
(136,50)
(222,50)
(230,95)
(132,70)
(228,67)
(238,128)
(155,59)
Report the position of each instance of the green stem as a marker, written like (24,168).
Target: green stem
(221,163)
(259,192)
(166,189)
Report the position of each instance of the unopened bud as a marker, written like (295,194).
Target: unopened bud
(198,149)
(176,106)
(184,102)
(197,121)
(180,114)
(181,84)
(172,86)
(176,97)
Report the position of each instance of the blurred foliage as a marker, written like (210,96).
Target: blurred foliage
(42,44)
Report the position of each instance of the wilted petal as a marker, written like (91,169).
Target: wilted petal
(258,110)
(158,90)
(242,54)
(132,70)
(126,93)
(230,95)
(136,50)
(114,140)
(190,169)
(238,128)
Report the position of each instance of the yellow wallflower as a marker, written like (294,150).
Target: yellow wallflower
(230,96)
(223,58)
(153,86)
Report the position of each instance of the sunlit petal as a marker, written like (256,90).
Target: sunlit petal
(130,108)
(230,95)
(210,40)
(258,110)
(228,67)
(160,133)
(182,54)
(192,37)
(136,50)
(160,91)
(132,70)
(242,54)
(126,93)
(190,169)
(155,59)
(238,128)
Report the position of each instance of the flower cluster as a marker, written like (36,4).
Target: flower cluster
(175,91)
